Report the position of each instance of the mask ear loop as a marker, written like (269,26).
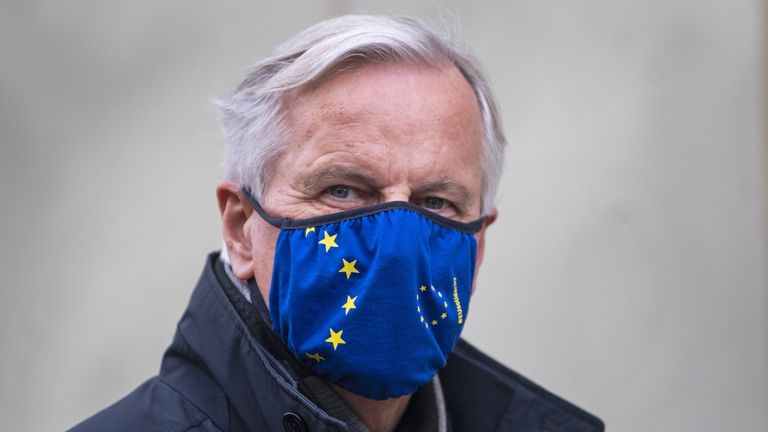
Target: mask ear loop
(277,222)
(472,227)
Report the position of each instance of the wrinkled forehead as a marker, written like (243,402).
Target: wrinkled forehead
(368,74)
(418,98)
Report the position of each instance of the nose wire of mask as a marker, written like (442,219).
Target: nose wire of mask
(372,300)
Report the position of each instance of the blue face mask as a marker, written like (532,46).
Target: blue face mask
(372,299)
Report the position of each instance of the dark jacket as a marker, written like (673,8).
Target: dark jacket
(217,376)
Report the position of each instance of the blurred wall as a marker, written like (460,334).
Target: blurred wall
(627,271)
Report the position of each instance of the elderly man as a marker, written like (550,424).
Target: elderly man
(363,159)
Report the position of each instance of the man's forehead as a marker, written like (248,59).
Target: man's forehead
(365,89)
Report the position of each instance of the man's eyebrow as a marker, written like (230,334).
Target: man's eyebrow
(357,174)
(447,186)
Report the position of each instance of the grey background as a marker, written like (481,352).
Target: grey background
(627,271)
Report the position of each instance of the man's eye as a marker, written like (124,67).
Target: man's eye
(434,203)
(339,191)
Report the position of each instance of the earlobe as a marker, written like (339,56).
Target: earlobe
(234,223)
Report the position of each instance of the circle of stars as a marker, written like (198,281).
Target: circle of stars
(439,294)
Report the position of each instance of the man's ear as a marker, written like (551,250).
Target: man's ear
(480,237)
(235,212)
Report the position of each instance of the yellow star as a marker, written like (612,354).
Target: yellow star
(350,304)
(349,267)
(443,315)
(308,230)
(335,338)
(316,356)
(434,322)
(422,318)
(423,288)
(328,241)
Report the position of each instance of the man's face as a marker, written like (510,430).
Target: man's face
(377,134)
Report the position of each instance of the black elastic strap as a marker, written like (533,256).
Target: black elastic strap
(287,223)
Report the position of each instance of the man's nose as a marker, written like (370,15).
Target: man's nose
(396,193)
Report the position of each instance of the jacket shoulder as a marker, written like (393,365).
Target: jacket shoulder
(152,407)
(481,394)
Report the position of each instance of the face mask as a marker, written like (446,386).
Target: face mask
(372,299)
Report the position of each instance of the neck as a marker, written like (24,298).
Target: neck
(378,416)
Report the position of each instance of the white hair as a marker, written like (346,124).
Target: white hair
(253,117)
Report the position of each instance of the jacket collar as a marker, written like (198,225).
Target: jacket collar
(214,336)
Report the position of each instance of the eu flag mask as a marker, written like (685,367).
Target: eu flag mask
(372,299)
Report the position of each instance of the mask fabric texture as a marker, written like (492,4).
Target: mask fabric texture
(372,299)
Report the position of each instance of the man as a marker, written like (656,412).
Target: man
(363,159)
